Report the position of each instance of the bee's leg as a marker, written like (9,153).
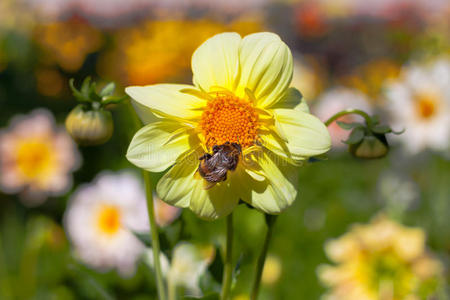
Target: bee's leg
(205,156)
(207,185)
(224,177)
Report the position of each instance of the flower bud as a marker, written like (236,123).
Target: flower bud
(89,126)
(370,146)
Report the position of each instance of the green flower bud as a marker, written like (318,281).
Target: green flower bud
(89,126)
(370,146)
(367,140)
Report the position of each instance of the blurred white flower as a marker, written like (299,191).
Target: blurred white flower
(420,102)
(189,263)
(101,217)
(397,191)
(36,158)
(336,100)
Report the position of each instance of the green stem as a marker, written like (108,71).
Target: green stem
(151,216)
(228,265)
(154,236)
(172,288)
(348,112)
(270,221)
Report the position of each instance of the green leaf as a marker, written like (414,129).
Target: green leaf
(143,237)
(216,267)
(375,119)
(348,126)
(93,93)
(108,89)
(76,93)
(381,129)
(398,132)
(113,99)
(355,137)
(85,86)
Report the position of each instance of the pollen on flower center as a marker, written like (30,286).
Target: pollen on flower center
(229,119)
(108,219)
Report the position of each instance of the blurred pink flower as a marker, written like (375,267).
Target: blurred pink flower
(36,158)
(165,214)
(338,99)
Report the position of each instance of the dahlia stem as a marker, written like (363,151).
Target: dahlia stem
(270,221)
(154,236)
(160,285)
(348,112)
(228,265)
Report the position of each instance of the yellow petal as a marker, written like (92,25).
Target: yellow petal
(266,67)
(166,100)
(213,203)
(292,99)
(306,135)
(275,193)
(156,146)
(216,62)
(144,113)
(175,187)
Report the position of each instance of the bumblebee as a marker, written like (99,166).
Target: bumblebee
(214,167)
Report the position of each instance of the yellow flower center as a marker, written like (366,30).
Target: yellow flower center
(34,158)
(108,219)
(229,119)
(426,105)
(389,274)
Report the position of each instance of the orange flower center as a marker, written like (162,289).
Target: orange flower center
(229,119)
(426,105)
(108,219)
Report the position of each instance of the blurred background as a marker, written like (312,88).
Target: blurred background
(388,57)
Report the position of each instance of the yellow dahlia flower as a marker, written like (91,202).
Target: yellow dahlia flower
(240,95)
(380,260)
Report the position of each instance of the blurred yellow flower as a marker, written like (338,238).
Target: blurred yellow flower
(67,43)
(272,270)
(240,100)
(36,158)
(381,260)
(159,50)
(371,77)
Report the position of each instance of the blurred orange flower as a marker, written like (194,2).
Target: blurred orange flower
(67,43)
(156,51)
